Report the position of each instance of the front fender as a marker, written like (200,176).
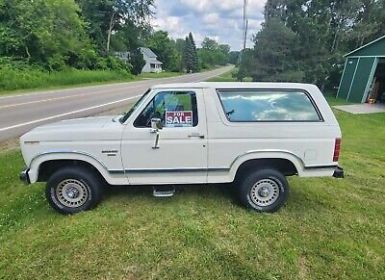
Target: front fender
(66,155)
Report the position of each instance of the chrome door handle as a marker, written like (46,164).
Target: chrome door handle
(197,135)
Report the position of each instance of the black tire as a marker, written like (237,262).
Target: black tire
(265,190)
(81,183)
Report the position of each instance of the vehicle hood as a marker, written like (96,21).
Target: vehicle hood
(91,122)
(73,129)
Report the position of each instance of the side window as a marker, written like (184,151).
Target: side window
(252,105)
(174,108)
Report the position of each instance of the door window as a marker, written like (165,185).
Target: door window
(174,108)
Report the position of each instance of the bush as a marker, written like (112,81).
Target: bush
(20,76)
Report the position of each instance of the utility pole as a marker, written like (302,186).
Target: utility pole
(245,27)
(245,23)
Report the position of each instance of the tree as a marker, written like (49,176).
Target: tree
(179,46)
(209,44)
(324,31)
(129,37)
(108,16)
(137,61)
(212,53)
(246,65)
(273,52)
(190,56)
(49,33)
(234,57)
(165,49)
(194,54)
(186,56)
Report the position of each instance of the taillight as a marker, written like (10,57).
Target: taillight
(337,149)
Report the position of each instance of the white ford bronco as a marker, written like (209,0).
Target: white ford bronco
(251,134)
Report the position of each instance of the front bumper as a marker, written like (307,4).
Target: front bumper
(24,176)
(339,172)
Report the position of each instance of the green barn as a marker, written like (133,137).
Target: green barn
(363,79)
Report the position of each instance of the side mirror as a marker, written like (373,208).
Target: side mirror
(156,124)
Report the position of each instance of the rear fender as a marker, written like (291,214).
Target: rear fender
(266,154)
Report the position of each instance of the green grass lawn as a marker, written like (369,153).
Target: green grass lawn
(225,77)
(329,229)
(158,75)
(75,78)
(229,77)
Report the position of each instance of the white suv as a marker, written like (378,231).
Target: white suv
(252,134)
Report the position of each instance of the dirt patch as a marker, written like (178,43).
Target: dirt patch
(8,145)
(303,268)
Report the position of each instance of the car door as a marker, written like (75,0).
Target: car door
(181,153)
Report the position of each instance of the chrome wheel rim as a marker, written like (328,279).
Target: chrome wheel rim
(72,193)
(264,192)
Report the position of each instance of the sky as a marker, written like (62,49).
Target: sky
(217,19)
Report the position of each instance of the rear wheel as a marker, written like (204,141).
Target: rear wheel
(265,190)
(71,190)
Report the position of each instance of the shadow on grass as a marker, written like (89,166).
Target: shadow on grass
(304,199)
(225,191)
(300,198)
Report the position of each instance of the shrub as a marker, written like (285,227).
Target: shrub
(21,76)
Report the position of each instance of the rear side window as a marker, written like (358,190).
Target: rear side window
(253,105)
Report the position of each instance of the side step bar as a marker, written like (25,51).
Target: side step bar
(163,191)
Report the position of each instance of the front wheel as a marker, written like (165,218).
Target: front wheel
(264,190)
(71,190)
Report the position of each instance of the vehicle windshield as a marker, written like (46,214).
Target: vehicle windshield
(133,108)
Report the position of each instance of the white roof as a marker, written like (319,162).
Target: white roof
(236,85)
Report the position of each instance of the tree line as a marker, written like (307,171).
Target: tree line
(55,35)
(182,55)
(305,40)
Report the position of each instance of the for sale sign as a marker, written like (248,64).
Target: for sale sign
(179,118)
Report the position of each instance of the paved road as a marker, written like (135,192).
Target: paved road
(20,113)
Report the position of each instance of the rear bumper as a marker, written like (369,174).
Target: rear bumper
(339,172)
(24,176)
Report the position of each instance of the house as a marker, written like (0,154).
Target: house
(363,79)
(152,63)
(123,56)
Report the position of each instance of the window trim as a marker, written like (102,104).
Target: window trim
(172,91)
(124,119)
(320,117)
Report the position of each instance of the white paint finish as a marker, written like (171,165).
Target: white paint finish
(176,148)
(216,158)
